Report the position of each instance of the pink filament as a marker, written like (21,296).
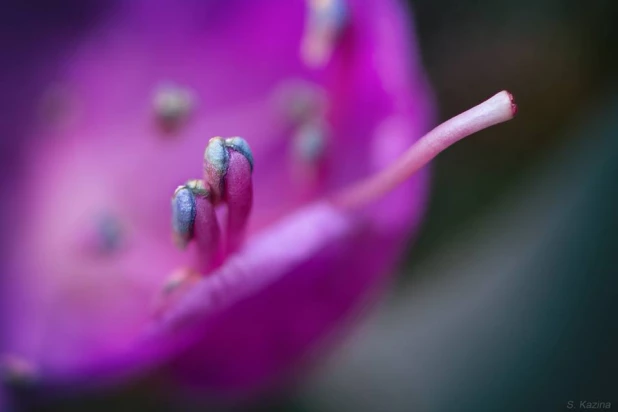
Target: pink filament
(238,195)
(497,109)
(207,234)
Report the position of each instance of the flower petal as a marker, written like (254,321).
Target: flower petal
(76,313)
(272,301)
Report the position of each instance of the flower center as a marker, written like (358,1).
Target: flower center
(228,165)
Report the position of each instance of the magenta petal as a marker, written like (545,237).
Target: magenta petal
(268,257)
(269,303)
(76,306)
(271,307)
(72,310)
(278,298)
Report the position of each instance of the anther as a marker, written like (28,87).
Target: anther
(310,142)
(173,106)
(175,286)
(110,233)
(198,187)
(299,101)
(324,23)
(183,215)
(240,145)
(216,161)
(102,235)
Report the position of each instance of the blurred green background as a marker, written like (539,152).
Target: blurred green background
(507,300)
(557,57)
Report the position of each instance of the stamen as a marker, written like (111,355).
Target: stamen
(216,161)
(240,145)
(173,106)
(497,109)
(228,166)
(299,100)
(183,216)
(238,192)
(110,233)
(194,217)
(207,233)
(310,142)
(103,235)
(198,187)
(307,164)
(179,282)
(324,24)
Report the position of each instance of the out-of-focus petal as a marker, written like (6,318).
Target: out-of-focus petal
(111,170)
(269,304)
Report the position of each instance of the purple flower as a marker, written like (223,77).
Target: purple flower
(277,238)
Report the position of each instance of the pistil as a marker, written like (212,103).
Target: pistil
(497,109)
